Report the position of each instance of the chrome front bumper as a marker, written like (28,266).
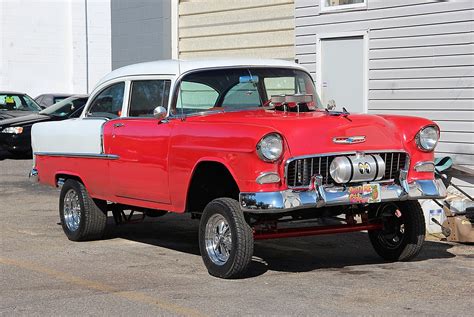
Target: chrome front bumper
(287,200)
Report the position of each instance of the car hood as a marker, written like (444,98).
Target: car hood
(23,120)
(14,114)
(313,132)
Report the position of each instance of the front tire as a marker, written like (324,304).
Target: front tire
(403,232)
(82,218)
(225,239)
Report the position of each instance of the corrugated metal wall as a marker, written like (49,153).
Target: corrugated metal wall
(261,29)
(141,31)
(421,62)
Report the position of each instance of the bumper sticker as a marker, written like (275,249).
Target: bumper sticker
(364,194)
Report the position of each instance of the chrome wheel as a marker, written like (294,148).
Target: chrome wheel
(218,239)
(72,210)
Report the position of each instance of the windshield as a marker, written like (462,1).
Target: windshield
(18,102)
(240,88)
(66,107)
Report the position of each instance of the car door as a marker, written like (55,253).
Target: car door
(141,142)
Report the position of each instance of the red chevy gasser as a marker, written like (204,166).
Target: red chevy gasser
(246,147)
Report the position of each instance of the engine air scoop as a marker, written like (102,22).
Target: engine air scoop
(357,168)
(293,103)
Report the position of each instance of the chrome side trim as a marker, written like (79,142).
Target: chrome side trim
(288,200)
(80,155)
(102,148)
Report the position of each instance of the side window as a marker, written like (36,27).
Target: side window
(78,106)
(242,95)
(146,95)
(195,97)
(108,103)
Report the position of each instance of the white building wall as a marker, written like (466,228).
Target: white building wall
(43,45)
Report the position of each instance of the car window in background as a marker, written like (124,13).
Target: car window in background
(58,99)
(18,102)
(39,99)
(280,85)
(66,107)
(242,95)
(146,95)
(108,103)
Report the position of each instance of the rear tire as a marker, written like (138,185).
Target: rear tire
(403,233)
(82,218)
(225,239)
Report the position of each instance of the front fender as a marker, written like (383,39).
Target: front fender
(408,128)
(232,145)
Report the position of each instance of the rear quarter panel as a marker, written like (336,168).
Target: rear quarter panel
(53,142)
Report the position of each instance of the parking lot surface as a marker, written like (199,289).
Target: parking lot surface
(154,268)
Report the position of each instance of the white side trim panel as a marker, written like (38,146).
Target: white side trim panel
(75,136)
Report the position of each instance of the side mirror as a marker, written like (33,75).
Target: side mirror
(159,112)
(331,105)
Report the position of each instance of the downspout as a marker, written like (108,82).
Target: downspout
(87,47)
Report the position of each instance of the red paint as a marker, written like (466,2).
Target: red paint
(157,160)
(143,147)
(313,231)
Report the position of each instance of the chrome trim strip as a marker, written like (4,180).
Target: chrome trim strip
(102,148)
(80,155)
(288,200)
(264,174)
(423,163)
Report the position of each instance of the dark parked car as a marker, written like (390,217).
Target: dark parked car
(46,100)
(16,104)
(15,133)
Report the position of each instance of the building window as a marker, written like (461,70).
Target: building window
(333,5)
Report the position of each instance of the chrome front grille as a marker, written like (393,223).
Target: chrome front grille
(299,171)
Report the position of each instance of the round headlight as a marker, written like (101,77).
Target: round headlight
(427,138)
(270,147)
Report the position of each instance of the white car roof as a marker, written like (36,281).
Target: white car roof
(178,67)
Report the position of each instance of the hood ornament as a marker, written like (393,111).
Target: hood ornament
(349,139)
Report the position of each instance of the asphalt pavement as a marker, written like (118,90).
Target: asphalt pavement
(154,268)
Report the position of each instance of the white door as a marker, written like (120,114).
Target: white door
(342,72)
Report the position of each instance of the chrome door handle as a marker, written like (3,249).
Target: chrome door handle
(118,125)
